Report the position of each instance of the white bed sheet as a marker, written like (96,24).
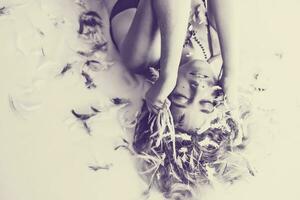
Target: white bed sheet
(45,153)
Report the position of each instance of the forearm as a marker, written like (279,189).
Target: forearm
(172,17)
(225,15)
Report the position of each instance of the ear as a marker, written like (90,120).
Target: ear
(216,63)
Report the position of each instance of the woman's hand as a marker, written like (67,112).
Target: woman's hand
(229,85)
(157,95)
(228,80)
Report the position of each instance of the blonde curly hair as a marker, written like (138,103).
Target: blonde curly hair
(177,161)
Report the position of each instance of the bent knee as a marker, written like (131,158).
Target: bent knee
(133,61)
(138,62)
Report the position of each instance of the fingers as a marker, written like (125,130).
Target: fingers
(154,107)
(158,105)
(154,74)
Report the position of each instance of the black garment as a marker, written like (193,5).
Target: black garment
(119,7)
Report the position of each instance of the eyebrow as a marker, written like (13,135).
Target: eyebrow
(204,101)
(178,105)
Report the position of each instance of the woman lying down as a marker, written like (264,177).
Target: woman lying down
(184,136)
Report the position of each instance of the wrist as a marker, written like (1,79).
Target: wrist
(168,78)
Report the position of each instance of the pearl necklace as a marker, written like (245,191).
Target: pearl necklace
(198,16)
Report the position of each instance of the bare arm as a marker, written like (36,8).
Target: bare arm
(172,18)
(225,16)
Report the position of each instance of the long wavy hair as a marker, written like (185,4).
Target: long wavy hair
(177,161)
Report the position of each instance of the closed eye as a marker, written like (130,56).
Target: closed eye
(204,101)
(179,100)
(198,75)
(178,105)
(206,106)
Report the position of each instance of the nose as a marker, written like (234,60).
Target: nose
(201,98)
(197,88)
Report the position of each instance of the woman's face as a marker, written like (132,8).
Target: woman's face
(193,98)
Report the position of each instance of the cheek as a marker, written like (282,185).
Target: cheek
(177,114)
(194,120)
(182,85)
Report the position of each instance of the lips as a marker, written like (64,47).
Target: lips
(178,95)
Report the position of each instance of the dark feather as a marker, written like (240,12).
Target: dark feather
(87,128)
(100,47)
(82,117)
(88,80)
(125,141)
(3,11)
(66,68)
(119,101)
(97,167)
(95,109)
(125,147)
(90,18)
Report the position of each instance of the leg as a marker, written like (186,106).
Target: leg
(172,18)
(225,15)
(157,32)
(141,46)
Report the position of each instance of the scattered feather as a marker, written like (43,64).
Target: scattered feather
(90,28)
(84,118)
(91,19)
(94,65)
(261,89)
(88,80)
(97,167)
(84,53)
(28,106)
(125,146)
(97,47)
(43,52)
(86,127)
(125,141)
(100,47)
(11,103)
(56,21)
(66,68)
(95,109)
(41,33)
(279,55)
(4,11)
(120,101)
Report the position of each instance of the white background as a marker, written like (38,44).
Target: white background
(45,152)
